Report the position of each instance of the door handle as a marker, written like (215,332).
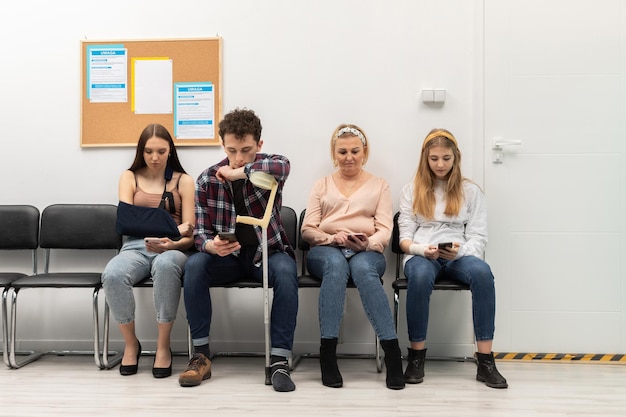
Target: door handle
(498,151)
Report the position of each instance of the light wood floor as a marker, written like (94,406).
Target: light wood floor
(73,386)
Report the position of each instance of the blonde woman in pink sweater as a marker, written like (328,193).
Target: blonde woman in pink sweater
(348,224)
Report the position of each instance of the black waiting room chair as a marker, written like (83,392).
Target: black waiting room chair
(306,280)
(19,230)
(84,227)
(400,282)
(289,218)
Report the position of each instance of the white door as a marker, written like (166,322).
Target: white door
(554,80)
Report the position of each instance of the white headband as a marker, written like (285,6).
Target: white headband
(355,132)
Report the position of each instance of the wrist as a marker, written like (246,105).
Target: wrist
(417,249)
(246,169)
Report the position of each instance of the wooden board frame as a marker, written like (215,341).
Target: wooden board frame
(115,124)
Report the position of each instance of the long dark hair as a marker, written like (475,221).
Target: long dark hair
(159,131)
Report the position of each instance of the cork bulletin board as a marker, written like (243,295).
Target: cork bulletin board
(117,123)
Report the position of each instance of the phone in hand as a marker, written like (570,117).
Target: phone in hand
(356,236)
(445,245)
(152,240)
(228,236)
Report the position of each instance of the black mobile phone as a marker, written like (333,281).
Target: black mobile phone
(445,245)
(231,237)
(356,236)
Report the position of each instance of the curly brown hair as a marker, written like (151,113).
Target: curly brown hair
(241,122)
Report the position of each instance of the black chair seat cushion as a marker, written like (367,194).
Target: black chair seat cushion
(309,281)
(60,280)
(440,284)
(288,216)
(243,283)
(146,283)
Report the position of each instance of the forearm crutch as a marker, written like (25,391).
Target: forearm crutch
(267,182)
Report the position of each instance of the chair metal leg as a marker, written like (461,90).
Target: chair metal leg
(30,356)
(117,358)
(396,307)
(189,343)
(295,360)
(96,330)
(5,328)
(379,356)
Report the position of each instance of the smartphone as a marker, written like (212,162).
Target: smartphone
(356,236)
(231,237)
(445,245)
(152,239)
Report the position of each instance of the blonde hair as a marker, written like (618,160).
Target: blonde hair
(424,180)
(347,130)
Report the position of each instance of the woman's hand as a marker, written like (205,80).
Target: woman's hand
(358,242)
(185,229)
(450,253)
(161,245)
(340,239)
(431,252)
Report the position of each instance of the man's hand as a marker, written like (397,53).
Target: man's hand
(224,247)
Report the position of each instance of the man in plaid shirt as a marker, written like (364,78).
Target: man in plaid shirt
(224,191)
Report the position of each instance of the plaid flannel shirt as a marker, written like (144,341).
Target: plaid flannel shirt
(215,207)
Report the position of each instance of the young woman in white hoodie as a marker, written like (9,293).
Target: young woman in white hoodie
(443,232)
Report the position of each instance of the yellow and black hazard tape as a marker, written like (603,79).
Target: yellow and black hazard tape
(573,357)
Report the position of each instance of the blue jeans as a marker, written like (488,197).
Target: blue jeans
(204,270)
(328,264)
(421,274)
(134,264)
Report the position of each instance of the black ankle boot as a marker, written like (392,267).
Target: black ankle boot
(414,373)
(488,373)
(328,363)
(393,363)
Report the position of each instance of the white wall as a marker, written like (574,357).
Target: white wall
(304,66)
